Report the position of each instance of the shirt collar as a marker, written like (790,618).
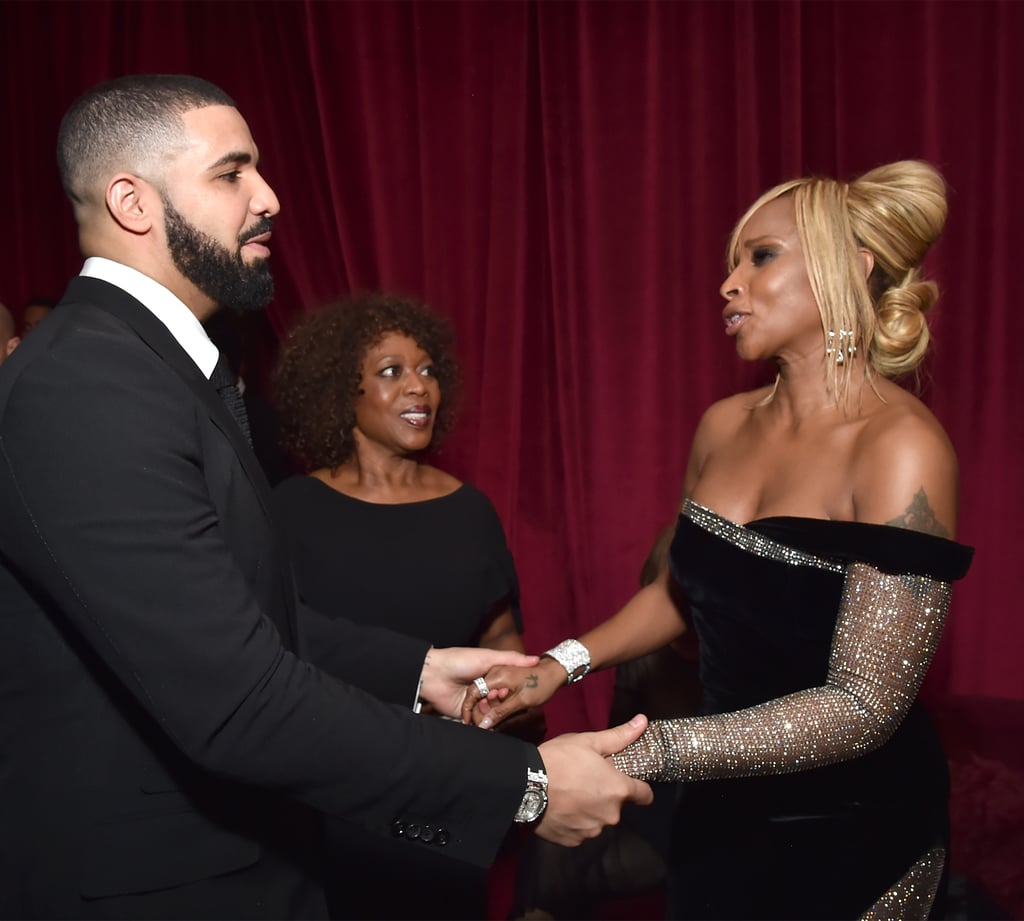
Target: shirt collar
(159,301)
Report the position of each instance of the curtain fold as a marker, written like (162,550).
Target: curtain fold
(560,180)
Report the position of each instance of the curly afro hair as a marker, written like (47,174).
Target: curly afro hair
(316,380)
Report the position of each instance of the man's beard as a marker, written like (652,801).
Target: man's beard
(216,271)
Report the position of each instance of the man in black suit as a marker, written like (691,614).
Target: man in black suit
(163,746)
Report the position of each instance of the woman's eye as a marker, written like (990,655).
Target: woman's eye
(428,371)
(390,371)
(761,255)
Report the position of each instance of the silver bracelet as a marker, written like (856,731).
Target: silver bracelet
(574,657)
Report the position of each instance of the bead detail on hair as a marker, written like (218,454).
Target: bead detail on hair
(845,347)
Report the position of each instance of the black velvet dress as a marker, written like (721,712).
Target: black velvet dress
(828,841)
(435,570)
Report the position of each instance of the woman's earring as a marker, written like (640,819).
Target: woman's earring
(845,347)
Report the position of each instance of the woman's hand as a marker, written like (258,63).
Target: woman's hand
(512,690)
(448,675)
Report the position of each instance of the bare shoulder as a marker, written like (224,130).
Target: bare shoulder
(905,471)
(718,426)
(722,418)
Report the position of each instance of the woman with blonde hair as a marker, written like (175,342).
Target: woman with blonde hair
(813,554)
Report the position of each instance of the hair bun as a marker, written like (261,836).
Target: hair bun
(898,211)
(901,333)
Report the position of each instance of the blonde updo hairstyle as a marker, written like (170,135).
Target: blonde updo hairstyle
(896,212)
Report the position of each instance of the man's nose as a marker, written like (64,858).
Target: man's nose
(264,199)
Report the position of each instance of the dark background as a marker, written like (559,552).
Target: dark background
(560,179)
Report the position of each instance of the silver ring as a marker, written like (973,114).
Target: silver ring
(481,686)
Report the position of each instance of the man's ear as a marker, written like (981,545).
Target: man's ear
(12,343)
(132,202)
(867,261)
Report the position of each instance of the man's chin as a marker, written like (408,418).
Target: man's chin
(252,258)
(260,302)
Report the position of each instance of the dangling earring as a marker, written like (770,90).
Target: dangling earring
(846,345)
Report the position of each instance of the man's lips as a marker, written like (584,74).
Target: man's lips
(258,244)
(257,237)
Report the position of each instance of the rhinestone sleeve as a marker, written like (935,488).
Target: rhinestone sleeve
(886,634)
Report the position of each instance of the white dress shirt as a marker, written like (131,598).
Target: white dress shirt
(168,309)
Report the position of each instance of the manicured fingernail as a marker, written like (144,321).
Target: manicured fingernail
(485,723)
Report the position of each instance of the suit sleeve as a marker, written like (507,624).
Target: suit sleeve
(348,651)
(110,476)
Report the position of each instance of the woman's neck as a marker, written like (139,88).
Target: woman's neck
(802,394)
(388,480)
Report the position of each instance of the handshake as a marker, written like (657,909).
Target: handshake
(585,791)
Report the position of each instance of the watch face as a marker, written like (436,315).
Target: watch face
(532,805)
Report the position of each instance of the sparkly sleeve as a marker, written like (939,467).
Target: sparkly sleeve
(886,634)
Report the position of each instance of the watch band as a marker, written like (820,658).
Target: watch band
(574,657)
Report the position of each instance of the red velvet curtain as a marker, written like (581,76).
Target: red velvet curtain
(560,179)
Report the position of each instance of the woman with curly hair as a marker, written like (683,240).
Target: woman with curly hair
(364,389)
(814,554)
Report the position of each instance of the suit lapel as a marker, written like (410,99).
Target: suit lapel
(149,329)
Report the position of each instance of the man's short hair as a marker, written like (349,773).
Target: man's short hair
(132,123)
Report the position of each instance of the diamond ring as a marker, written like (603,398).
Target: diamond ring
(481,686)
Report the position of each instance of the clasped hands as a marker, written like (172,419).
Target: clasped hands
(585,791)
(511,688)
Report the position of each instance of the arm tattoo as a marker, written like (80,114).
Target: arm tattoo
(919,517)
(531,681)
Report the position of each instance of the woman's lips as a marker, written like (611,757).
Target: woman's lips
(418,416)
(733,322)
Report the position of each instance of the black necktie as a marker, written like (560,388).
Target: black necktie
(223,378)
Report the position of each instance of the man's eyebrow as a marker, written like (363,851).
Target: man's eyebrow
(237,157)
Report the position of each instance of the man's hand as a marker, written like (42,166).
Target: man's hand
(585,791)
(447,673)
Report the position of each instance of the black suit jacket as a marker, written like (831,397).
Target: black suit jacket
(161,741)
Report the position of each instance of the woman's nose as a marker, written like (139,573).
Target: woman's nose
(415,382)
